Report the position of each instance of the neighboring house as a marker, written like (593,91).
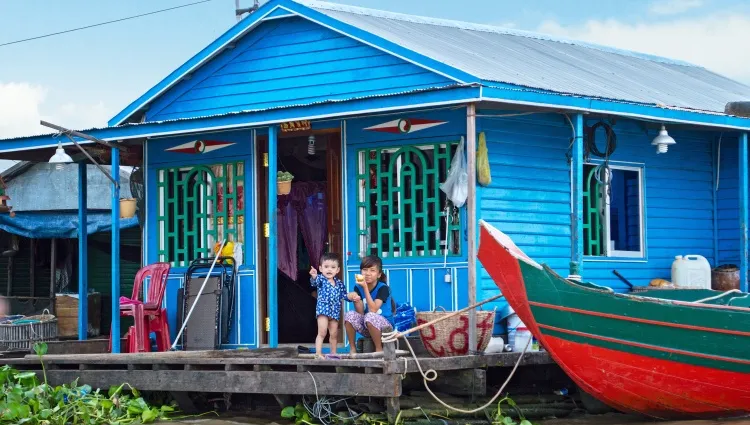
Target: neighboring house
(387,98)
(45,202)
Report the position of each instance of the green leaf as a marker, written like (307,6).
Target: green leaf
(149,415)
(525,422)
(167,408)
(40,348)
(26,375)
(288,412)
(508,421)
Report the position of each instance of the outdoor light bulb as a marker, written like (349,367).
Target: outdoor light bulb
(60,158)
(311,145)
(662,141)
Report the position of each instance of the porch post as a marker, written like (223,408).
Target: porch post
(471,213)
(744,248)
(576,217)
(273,303)
(116,251)
(83,283)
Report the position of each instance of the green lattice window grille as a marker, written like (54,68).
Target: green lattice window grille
(197,207)
(592,213)
(401,211)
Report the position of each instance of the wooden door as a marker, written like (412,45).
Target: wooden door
(335,197)
(262,267)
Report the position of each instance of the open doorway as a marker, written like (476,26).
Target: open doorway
(309,223)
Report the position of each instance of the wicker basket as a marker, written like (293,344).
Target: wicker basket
(450,337)
(23,333)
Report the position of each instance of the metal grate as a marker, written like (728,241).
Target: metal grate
(198,206)
(400,208)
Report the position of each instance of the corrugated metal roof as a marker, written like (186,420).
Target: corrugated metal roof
(548,63)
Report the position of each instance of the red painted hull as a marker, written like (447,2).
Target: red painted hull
(633,383)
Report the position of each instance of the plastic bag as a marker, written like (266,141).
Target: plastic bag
(456,185)
(484,176)
(404,317)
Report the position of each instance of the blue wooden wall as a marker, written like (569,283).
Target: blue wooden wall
(679,203)
(245,321)
(418,281)
(288,62)
(529,197)
(728,201)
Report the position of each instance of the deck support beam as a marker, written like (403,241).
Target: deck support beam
(273,303)
(471,214)
(576,216)
(743,196)
(83,284)
(115,251)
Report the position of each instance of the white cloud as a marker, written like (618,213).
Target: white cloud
(19,108)
(709,41)
(673,7)
(23,105)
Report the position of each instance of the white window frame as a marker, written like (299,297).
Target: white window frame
(641,222)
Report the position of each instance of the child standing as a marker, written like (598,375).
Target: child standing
(331,291)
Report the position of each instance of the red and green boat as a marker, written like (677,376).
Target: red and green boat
(666,354)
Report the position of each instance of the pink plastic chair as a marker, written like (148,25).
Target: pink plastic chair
(148,315)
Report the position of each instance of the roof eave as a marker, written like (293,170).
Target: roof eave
(518,95)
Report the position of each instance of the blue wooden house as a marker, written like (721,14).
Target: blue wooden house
(385,100)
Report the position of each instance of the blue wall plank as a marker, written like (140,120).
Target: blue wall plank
(287,62)
(728,212)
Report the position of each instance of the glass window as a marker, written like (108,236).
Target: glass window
(613,211)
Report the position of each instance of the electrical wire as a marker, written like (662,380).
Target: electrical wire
(103,23)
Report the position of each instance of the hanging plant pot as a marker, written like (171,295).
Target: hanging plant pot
(284,182)
(283,187)
(127,208)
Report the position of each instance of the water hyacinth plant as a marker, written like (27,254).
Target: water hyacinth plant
(25,400)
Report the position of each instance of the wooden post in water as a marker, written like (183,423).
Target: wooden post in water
(471,214)
(53,269)
(392,404)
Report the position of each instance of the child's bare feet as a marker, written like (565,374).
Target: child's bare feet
(320,357)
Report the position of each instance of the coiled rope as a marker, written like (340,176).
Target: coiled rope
(430,375)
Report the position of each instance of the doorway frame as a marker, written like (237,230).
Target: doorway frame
(261,207)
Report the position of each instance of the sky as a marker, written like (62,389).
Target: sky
(82,79)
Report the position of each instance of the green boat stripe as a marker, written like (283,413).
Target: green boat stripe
(679,356)
(640,320)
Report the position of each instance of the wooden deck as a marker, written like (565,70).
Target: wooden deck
(280,372)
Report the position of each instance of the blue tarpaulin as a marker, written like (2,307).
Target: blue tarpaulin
(59,224)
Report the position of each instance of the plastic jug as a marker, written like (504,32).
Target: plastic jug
(691,271)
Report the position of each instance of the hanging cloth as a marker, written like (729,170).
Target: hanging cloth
(287,240)
(456,185)
(313,223)
(484,175)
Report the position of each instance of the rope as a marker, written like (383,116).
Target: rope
(388,337)
(731,291)
(432,375)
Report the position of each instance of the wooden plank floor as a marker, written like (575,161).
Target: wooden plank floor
(263,371)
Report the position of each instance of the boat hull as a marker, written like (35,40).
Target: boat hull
(659,358)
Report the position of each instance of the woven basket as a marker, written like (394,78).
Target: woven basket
(24,332)
(450,337)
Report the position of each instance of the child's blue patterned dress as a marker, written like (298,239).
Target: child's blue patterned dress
(329,296)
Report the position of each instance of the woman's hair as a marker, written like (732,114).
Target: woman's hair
(374,261)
